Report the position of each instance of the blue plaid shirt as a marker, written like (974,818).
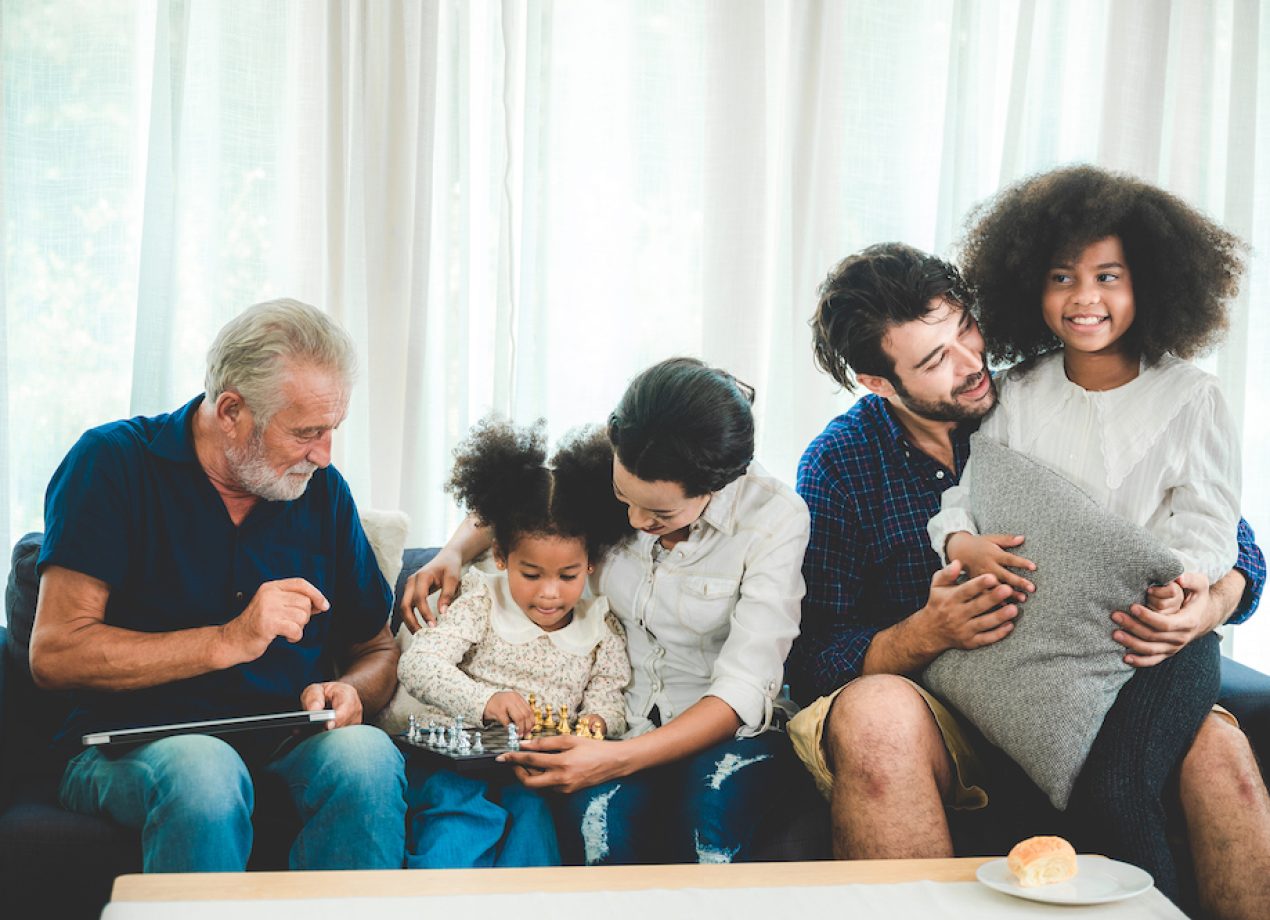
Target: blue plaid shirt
(869,562)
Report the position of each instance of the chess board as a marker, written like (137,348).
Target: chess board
(493,740)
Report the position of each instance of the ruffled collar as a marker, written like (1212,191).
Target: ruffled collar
(1140,411)
(510,624)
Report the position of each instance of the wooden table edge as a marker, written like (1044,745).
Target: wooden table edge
(407,883)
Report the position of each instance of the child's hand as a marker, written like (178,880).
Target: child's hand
(1151,634)
(986,554)
(1165,599)
(506,707)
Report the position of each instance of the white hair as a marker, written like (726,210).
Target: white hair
(251,354)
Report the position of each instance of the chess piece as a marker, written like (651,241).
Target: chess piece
(533,706)
(513,737)
(564,719)
(478,746)
(550,722)
(596,732)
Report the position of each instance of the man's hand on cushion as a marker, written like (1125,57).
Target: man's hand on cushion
(1174,616)
(966,615)
(337,695)
(989,554)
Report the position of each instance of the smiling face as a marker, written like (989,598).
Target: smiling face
(1088,301)
(660,507)
(546,576)
(276,463)
(940,372)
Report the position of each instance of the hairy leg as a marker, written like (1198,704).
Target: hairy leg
(1227,814)
(891,773)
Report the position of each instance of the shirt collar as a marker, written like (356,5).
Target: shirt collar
(720,512)
(879,410)
(510,624)
(175,438)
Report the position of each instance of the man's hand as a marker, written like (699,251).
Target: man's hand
(967,615)
(507,706)
(987,554)
(444,572)
(1151,635)
(335,695)
(279,608)
(565,763)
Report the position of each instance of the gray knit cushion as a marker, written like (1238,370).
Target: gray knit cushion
(1041,693)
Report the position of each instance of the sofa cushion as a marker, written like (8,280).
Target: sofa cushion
(1041,693)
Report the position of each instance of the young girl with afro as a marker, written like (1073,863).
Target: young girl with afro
(526,629)
(1102,287)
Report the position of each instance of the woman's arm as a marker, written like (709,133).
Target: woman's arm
(567,763)
(443,572)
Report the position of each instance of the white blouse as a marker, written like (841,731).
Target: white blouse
(717,614)
(1161,451)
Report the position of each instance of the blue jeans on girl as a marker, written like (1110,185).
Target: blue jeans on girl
(704,808)
(462,822)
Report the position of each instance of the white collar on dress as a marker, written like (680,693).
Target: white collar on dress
(511,625)
(1141,410)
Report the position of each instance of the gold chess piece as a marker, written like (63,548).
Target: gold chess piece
(596,732)
(550,721)
(564,719)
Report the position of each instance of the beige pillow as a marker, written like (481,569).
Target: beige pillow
(386,531)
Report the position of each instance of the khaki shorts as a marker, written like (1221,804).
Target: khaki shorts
(806,732)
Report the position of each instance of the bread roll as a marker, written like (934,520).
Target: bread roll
(1042,861)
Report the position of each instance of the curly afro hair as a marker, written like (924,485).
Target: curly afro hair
(501,475)
(1184,267)
(682,421)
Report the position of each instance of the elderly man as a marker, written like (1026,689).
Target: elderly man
(888,754)
(210,563)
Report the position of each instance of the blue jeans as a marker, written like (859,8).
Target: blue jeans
(462,822)
(704,808)
(191,796)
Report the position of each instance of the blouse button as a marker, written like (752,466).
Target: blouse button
(238,597)
(939,474)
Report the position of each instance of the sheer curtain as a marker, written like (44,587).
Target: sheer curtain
(519,205)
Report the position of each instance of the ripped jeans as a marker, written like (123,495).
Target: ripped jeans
(705,808)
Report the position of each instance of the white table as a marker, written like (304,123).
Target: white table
(893,889)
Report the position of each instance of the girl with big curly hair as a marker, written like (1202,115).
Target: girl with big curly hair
(1102,286)
(524,629)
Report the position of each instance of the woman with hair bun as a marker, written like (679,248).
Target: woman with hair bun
(708,589)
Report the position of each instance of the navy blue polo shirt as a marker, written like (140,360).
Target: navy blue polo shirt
(131,505)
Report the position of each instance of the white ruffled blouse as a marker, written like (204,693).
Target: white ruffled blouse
(485,644)
(1161,451)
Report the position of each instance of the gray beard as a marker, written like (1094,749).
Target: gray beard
(255,475)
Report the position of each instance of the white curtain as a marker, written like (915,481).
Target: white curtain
(519,205)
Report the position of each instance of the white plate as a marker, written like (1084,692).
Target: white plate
(1097,881)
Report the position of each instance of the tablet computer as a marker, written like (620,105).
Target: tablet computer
(302,719)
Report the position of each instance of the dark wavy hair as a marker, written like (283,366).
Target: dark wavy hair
(501,475)
(1184,268)
(684,422)
(868,293)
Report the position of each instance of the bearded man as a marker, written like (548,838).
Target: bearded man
(209,563)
